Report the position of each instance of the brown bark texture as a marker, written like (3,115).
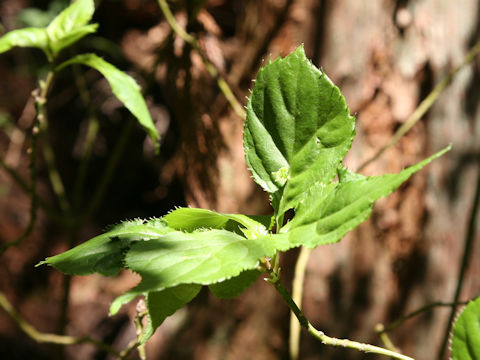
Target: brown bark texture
(385,56)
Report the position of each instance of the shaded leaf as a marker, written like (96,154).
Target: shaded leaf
(330,211)
(104,254)
(297,131)
(233,287)
(124,87)
(466,333)
(164,303)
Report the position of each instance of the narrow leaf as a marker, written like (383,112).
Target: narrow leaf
(105,253)
(330,211)
(233,287)
(466,333)
(124,87)
(69,26)
(27,37)
(164,303)
(297,131)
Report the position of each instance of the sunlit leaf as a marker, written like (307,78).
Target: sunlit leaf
(298,129)
(105,253)
(27,37)
(71,25)
(466,333)
(330,211)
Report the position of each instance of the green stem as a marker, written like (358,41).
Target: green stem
(46,337)
(467,254)
(327,340)
(297,294)
(424,106)
(211,69)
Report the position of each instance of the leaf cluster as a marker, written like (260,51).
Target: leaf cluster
(297,132)
(68,27)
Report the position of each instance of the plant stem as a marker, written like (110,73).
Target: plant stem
(297,294)
(109,171)
(46,337)
(40,97)
(467,253)
(384,329)
(91,135)
(53,173)
(424,106)
(212,70)
(327,340)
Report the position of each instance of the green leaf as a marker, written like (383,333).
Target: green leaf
(330,211)
(124,87)
(27,37)
(202,257)
(164,303)
(105,253)
(71,25)
(297,131)
(190,219)
(466,333)
(233,287)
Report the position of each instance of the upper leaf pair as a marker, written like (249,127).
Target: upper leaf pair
(65,29)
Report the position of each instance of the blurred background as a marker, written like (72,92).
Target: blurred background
(385,56)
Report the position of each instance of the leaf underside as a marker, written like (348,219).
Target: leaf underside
(466,333)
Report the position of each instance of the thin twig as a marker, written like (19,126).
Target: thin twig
(327,340)
(212,70)
(41,337)
(297,294)
(467,255)
(424,106)
(40,97)
(91,135)
(385,338)
(109,171)
(383,329)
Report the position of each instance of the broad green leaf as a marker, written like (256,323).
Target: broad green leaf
(330,211)
(71,25)
(124,87)
(466,333)
(233,287)
(297,131)
(27,37)
(104,254)
(202,257)
(190,219)
(164,303)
